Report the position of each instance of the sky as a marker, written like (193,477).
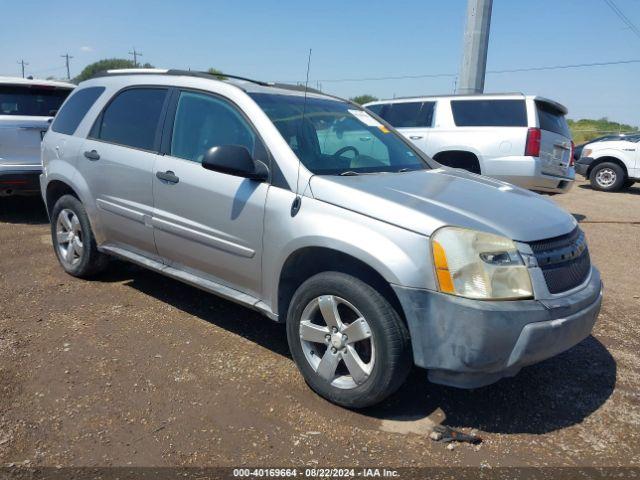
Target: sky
(350,39)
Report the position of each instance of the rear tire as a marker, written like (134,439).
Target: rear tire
(73,239)
(379,338)
(607,177)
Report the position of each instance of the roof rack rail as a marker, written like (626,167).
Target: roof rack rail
(174,71)
(195,73)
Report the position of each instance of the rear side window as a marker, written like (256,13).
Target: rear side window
(31,100)
(489,113)
(407,114)
(72,112)
(552,120)
(132,118)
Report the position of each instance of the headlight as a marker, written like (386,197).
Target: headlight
(479,265)
(585,152)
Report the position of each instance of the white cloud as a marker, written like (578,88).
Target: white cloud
(86,49)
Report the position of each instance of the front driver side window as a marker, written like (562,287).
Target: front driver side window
(204,121)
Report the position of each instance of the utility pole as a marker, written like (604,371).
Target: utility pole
(476,42)
(66,56)
(22,63)
(135,56)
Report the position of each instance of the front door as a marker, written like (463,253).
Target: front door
(117,163)
(208,223)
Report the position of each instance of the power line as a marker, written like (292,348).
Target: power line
(22,63)
(612,5)
(513,70)
(66,56)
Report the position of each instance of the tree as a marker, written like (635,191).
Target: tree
(106,64)
(362,99)
(217,73)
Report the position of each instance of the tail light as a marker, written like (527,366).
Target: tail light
(532,148)
(572,159)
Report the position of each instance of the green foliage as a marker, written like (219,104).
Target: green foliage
(362,99)
(106,64)
(217,73)
(587,129)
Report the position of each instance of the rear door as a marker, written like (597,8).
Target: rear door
(25,112)
(414,120)
(117,162)
(555,139)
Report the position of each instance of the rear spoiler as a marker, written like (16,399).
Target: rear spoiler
(555,105)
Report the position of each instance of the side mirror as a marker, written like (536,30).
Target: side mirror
(234,160)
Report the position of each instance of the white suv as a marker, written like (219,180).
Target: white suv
(612,164)
(520,139)
(26,109)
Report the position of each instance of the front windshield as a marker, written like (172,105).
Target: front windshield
(337,138)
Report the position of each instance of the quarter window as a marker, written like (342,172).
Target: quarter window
(74,110)
(132,118)
(489,113)
(409,114)
(203,121)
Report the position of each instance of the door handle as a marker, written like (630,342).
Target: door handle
(92,155)
(415,137)
(168,176)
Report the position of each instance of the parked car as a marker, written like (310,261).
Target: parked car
(26,108)
(372,253)
(577,151)
(520,139)
(611,165)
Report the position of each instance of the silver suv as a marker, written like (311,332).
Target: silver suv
(520,139)
(26,108)
(374,256)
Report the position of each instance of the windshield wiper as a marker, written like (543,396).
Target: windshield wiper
(349,173)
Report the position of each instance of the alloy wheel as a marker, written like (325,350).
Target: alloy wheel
(337,341)
(69,237)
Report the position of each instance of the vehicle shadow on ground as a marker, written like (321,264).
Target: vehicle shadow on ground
(635,190)
(554,394)
(551,395)
(225,314)
(26,210)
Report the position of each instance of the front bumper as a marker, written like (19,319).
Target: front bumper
(470,343)
(19,179)
(583,164)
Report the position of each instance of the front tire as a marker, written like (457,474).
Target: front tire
(348,342)
(607,177)
(73,239)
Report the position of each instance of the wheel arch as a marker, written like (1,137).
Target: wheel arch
(607,158)
(55,190)
(308,261)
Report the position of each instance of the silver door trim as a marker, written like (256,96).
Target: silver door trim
(121,211)
(203,238)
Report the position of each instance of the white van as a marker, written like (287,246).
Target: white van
(521,139)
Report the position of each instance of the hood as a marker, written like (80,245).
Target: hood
(426,200)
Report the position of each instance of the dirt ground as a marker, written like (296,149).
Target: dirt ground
(133,368)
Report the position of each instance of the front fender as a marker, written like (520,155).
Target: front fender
(401,257)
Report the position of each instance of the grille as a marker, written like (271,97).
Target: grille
(564,260)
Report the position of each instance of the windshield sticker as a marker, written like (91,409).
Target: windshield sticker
(365,118)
